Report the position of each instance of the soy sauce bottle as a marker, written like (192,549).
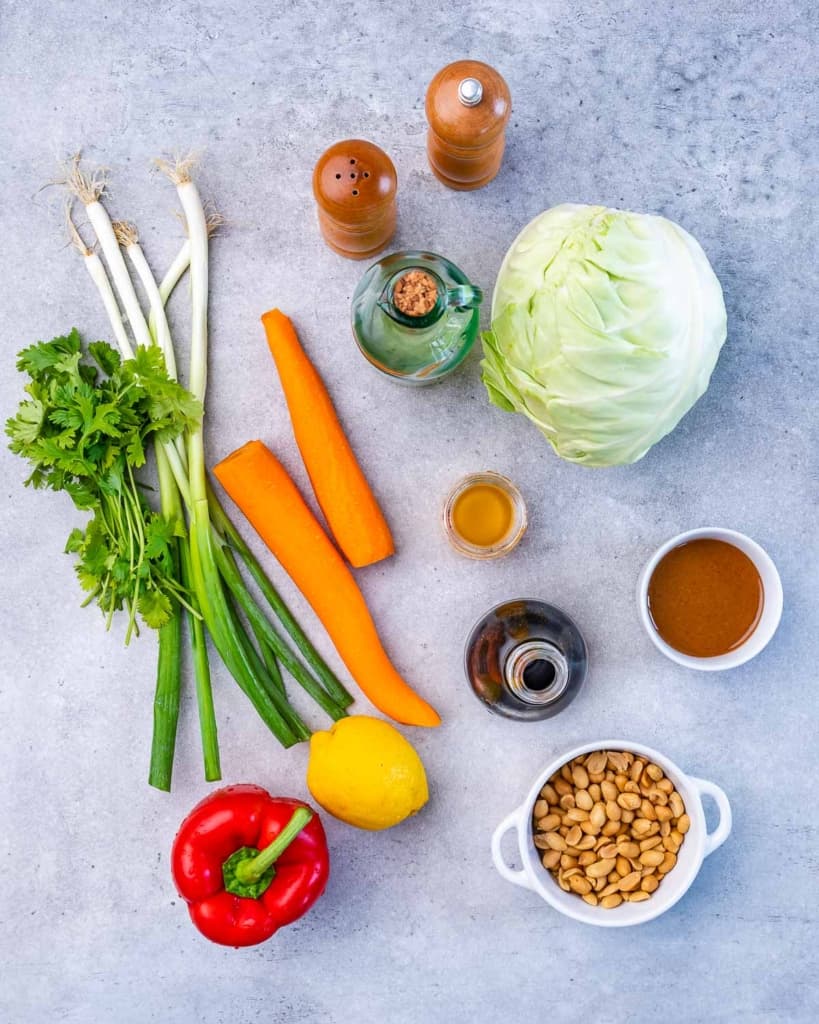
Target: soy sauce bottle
(526,660)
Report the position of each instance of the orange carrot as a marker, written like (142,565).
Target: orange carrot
(342,491)
(261,487)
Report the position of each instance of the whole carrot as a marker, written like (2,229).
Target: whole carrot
(349,505)
(258,483)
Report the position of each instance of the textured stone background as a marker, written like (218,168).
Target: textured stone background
(702,111)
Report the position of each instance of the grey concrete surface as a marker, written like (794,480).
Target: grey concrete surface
(702,111)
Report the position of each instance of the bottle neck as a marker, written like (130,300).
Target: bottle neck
(536,672)
(414,297)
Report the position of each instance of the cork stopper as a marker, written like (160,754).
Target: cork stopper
(415,293)
(354,184)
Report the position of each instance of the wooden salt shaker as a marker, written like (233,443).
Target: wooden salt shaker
(354,183)
(468,104)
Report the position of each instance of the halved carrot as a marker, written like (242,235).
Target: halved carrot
(261,487)
(349,505)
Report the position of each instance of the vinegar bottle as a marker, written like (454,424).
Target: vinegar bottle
(467,105)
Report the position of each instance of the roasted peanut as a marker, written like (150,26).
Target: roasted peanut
(580,777)
(583,800)
(630,881)
(548,793)
(609,791)
(637,897)
(601,868)
(574,835)
(549,823)
(550,859)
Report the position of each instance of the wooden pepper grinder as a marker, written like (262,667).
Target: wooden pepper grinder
(354,183)
(468,104)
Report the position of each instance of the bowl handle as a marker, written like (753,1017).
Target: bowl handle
(516,876)
(714,839)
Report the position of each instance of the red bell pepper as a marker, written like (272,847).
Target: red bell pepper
(247,863)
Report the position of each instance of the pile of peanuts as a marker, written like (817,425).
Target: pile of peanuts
(610,825)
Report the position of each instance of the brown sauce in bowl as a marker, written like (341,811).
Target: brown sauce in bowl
(705,598)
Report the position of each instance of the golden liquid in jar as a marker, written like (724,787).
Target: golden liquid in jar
(482,515)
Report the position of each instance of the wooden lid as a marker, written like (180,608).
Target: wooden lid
(453,112)
(353,179)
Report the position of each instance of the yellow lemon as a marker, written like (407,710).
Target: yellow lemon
(364,772)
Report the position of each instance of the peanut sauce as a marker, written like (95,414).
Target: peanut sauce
(705,598)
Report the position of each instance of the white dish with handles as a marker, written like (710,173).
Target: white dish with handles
(699,843)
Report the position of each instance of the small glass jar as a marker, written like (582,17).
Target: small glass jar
(517,524)
(415,316)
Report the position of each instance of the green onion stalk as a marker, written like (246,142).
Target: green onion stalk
(217,596)
(173,484)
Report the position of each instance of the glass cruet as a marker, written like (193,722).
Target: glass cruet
(415,316)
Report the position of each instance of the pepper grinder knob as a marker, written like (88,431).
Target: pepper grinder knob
(470,92)
(468,105)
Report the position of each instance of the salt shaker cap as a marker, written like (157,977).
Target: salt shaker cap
(353,180)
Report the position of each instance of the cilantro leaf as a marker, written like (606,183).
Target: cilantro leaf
(106,357)
(155,608)
(36,359)
(24,428)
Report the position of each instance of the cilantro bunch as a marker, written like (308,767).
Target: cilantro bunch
(84,429)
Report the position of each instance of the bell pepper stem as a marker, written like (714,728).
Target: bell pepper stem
(250,871)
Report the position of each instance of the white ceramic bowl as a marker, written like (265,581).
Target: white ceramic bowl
(699,843)
(771,609)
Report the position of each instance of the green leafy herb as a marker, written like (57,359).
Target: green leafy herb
(84,429)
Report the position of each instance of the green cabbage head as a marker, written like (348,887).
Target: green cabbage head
(606,326)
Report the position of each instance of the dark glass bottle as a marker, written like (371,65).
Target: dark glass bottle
(526,659)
